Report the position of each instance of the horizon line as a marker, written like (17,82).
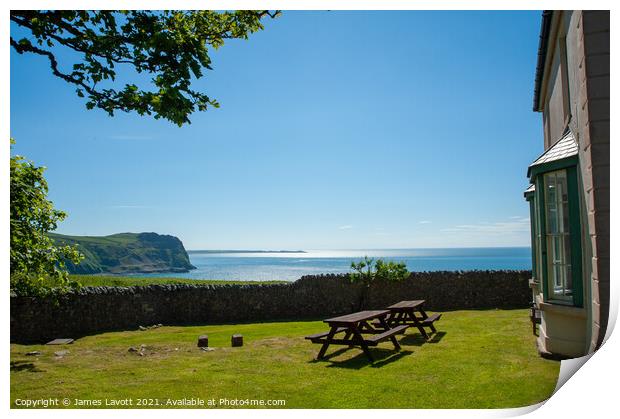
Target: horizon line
(356,249)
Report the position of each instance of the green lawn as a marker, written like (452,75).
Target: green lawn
(127,281)
(479,359)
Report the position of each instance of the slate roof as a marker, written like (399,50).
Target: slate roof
(565,147)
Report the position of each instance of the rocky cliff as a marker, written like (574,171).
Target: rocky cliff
(127,253)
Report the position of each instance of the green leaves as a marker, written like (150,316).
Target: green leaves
(37,264)
(368,271)
(171,46)
(390,271)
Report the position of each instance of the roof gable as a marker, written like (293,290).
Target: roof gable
(565,148)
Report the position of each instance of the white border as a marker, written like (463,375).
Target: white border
(591,392)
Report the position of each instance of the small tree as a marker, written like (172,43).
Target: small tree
(369,271)
(37,264)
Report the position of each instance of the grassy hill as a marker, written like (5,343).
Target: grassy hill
(127,253)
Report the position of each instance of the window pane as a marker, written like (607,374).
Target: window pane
(557,235)
(562,186)
(565,223)
(557,279)
(562,200)
(552,218)
(550,183)
(557,250)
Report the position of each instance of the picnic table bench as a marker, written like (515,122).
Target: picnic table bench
(355,326)
(412,313)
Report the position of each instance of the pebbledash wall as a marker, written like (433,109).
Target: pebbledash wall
(97,309)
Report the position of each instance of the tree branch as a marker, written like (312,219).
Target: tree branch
(21,48)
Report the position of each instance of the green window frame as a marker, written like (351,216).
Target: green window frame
(565,231)
(530,196)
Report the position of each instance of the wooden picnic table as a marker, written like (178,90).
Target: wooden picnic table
(354,326)
(412,313)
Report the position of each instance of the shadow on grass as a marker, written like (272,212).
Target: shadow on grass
(418,340)
(24,366)
(381,356)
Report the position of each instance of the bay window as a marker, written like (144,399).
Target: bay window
(555,223)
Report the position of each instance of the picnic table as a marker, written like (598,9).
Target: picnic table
(355,326)
(412,313)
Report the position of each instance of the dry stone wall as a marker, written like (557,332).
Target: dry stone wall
(96,309)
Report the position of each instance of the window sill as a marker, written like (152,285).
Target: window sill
(563,309)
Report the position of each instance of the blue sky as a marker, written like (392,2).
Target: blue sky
(336,130)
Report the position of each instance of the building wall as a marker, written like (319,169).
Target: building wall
(563,330)
(560,75)
(581,102)
(554,104)
(594,153)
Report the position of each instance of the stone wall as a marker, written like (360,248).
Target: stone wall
(97,309)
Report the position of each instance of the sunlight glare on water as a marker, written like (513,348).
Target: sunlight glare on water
(266,266)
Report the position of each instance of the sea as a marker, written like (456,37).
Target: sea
(290,266)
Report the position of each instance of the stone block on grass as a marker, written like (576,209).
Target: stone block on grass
(203,341)
(60,342)
(236,340)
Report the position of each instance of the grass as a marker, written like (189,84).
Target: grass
(127,281)
(479,359)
